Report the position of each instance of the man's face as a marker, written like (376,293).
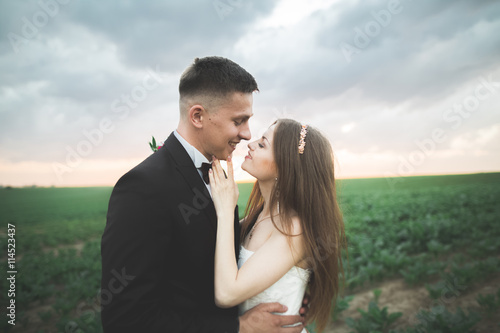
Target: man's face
(227,126)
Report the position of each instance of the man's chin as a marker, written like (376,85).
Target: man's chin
(222,156)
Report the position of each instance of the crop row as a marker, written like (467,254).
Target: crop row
(414,233)
(437,319)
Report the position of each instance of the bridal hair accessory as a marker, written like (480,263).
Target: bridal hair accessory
(302,142)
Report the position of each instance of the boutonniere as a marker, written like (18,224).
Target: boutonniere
(153,145)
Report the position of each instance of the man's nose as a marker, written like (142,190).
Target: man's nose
(245,132)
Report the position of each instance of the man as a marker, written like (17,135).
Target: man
(159,242)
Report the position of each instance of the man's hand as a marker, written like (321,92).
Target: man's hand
(261,319)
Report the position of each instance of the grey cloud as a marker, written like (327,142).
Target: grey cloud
(291,64)
(393,67)
(168,33)
(75,88)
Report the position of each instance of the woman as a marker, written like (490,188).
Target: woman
(293,232)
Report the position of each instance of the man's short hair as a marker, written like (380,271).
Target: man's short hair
(215,77)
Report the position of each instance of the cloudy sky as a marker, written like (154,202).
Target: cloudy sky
(400,87)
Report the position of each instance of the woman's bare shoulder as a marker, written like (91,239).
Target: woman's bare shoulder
(295,225)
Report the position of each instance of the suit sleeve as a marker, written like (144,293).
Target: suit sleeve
(134,293)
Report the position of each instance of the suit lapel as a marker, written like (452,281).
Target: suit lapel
(201,197)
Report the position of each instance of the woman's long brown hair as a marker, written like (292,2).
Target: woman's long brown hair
(306,188)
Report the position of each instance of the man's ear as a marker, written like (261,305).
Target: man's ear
(197,115)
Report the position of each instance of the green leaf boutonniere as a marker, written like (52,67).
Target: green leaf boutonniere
(153,145)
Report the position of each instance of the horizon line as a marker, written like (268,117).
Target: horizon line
(253,181)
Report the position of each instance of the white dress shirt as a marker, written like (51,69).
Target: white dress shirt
(195,155)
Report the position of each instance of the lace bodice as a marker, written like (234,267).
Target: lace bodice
(289,290)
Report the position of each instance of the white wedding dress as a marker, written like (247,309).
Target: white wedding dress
(289,290)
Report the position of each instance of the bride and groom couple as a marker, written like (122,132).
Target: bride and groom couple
(190,264)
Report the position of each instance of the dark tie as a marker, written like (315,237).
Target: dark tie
(204,171)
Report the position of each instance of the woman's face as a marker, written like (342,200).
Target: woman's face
(260,159)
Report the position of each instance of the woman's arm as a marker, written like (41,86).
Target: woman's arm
(266,266)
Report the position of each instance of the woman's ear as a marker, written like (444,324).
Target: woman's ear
(197,114)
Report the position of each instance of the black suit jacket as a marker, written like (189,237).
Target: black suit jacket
(158,250)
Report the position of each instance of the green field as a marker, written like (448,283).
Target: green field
(423,255)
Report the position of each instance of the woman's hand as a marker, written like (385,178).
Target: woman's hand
(224,189)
